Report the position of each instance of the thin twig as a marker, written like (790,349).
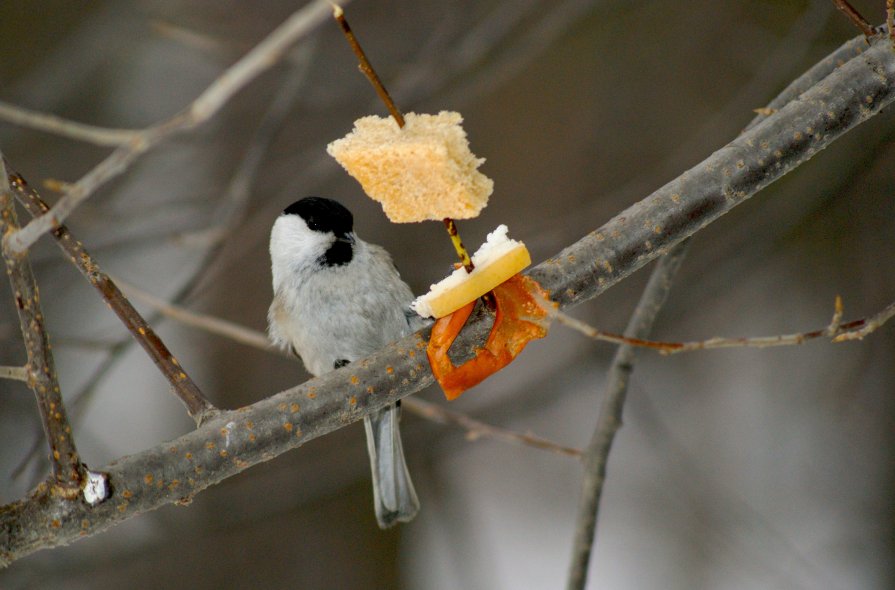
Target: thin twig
(869,325)
(367,68)
(270,125)
(194,39)
(68,472)
(14,373)
(226,217)
(476,429)
(258,60)
(64,128)
(855,17)
(182,385)
(596,455)
(838,332)
(80,398)
(201,321)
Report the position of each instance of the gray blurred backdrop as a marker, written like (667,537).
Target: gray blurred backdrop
(734,469)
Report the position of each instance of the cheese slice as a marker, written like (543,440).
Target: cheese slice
(498,259)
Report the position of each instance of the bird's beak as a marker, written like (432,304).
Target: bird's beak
(347,238)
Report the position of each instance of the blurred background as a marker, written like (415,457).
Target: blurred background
(734,469)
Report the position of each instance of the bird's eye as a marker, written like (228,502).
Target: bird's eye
(312,224)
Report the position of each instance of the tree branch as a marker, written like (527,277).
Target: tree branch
(855,17)
(836,331)
(14,373)
(182,385)
(436,413)
(102,136)
(68,473)
(209,324)
(596,456)
(609,417)
(234,441)
(850,95)
(476,429)
(867,326)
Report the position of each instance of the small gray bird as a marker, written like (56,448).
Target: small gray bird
(338,299)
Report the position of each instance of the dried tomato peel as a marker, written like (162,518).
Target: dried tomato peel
(520,318)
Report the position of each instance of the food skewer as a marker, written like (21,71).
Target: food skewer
(424,170)
(367,68)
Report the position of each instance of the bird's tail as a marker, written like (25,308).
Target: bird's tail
(393,494)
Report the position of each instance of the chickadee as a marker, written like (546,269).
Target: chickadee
(338,299)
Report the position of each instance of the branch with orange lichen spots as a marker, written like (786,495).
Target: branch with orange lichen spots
(40,371)
(182,385)
(475,429)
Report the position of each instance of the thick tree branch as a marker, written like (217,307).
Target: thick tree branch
(68,473)
(182,385)
(475,429)
(850,95)
(236,440)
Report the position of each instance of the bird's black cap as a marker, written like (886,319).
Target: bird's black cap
(323,215)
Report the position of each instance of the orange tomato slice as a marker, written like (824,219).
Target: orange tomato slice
(520,318)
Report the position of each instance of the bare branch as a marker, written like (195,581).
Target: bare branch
(596,455)
(197,405)
(65,128)
(68,473)
(234,441)
(204,322)
(848,96)
(869,325)
(15,373)
(855,17)
(193,39)
(258,60)
(837,331)
(609,417)
(476,429)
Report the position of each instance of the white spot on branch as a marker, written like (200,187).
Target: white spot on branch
(96,489)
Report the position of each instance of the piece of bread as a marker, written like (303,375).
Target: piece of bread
(496,260)
(423,171)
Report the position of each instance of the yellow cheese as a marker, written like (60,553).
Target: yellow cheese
(451,294)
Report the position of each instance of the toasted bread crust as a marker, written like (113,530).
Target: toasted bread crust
(423,171)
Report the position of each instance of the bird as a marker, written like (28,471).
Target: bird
(338,299)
